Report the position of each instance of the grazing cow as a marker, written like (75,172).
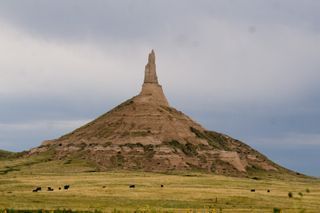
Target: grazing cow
(66,187)
(132,186)
(59,188)
(37,189)
(50,189)
(268,190)
(253,190)
(162,186)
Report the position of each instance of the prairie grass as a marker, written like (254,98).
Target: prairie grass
(110,192)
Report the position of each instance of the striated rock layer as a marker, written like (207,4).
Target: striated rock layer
(145,133)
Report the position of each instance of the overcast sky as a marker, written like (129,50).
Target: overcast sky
(248,68)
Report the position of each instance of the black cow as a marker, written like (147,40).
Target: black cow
(66,187)
(253,190)
(132,186)
(50,189)
(162,186)
(37,189)
(268,190)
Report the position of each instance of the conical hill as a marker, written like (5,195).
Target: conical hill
(146,133)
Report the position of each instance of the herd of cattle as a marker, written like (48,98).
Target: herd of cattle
(66,187)
(254,190)
(50,189)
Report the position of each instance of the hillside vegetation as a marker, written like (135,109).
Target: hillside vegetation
(5,154)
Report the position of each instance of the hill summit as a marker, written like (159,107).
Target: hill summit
(146,133)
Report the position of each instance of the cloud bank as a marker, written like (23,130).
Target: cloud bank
(249,69)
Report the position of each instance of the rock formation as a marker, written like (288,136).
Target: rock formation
(145,133)
(151,90)
(150,75)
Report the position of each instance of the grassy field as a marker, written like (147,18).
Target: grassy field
(110,192)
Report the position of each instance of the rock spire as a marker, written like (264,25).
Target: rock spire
(150,69)
(151,89)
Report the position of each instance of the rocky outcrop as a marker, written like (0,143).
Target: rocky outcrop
(150,75)
(151,90)
(145,133)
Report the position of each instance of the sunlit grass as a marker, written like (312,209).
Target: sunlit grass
(107,191)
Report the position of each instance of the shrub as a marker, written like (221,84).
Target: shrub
(188,148)
(140,133)
(117,160)
(214,139)
(290,195)
(198,133)
(308,190)
(276,210)
(149,150)
(67,161)
(174,143)
(133,145)
(300,193)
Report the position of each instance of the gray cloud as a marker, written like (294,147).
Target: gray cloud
(30,133)
(250,69)
(143,18)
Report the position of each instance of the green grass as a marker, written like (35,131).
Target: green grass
(110,192)
(215,139)
(44,211)
(5,154)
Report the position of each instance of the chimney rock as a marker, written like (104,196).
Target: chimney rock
(150,70)
(151,89)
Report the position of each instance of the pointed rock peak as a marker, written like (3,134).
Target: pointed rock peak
(151,90)
(150,75)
